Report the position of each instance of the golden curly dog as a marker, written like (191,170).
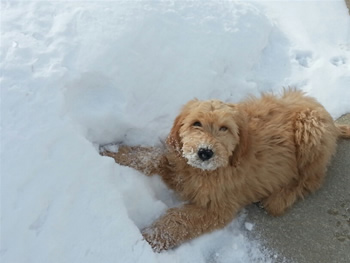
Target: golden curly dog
(221,157)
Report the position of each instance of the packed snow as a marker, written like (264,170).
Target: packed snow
(76,75)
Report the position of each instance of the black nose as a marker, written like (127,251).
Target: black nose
(205,154)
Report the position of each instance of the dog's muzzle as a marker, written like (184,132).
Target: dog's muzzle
(204,158)
(205,154)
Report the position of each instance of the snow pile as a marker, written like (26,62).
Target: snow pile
(75,75)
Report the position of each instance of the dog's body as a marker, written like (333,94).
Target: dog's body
(221,157)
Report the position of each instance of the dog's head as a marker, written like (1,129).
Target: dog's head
(209,134)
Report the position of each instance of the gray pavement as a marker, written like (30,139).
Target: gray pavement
(317,229)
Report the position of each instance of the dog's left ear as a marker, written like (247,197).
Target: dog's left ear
(242,147)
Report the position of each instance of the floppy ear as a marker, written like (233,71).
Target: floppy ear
(242,147)
(174,139)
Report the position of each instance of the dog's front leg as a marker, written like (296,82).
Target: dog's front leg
(182,224)
(144,159)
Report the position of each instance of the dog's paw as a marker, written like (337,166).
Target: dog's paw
(122,156)
(110,147)
(158,238)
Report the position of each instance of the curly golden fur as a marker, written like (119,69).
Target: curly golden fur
(221,157)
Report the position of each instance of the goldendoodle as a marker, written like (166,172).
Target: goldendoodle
(221,157)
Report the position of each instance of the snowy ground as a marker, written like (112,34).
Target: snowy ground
(78,74)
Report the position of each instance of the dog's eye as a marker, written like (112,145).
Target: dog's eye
(198,124)
(223,128)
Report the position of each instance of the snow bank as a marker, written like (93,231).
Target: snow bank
(78,74)
(168,54)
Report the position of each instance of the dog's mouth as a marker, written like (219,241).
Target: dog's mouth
(203,158)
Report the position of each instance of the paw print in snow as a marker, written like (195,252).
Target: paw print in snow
(338,61)
(304,58)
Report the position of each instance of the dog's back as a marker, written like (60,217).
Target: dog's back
(299,136)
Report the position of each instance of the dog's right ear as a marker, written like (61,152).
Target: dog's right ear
(174,139)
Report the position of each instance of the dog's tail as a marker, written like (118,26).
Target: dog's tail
(344,131)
